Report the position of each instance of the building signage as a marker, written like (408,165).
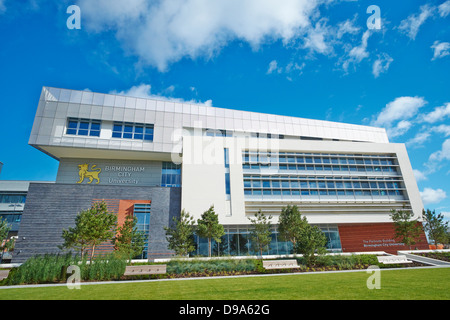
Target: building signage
(83,173)
(381,243)
(109,172)
(124,174)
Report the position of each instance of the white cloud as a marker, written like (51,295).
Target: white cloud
(443,128)
(444,9)
(2,6)
(438,114)
(273,67)
(401,108)
(446,214)
(418,139)
(315,40)
(441,49)
(163,32)
(290,68)
(430,195)
(381,64)
(443,154)
(358,53)
(410,26)
(347,27)
(144,91)
(419,175)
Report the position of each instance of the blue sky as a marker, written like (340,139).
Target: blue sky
(311,59)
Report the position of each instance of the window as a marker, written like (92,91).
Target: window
(12,198)
(83,127)
(142,213)
(136,131)
(171,175)
(226,153)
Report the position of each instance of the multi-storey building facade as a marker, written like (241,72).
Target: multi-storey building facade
(153,158)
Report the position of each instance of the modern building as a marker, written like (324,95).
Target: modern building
(153,158)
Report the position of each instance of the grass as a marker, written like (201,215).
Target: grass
(404,284)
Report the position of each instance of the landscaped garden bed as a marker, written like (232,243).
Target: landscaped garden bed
(232,267)
(53,268)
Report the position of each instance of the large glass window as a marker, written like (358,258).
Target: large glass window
(12,198)
(237,242)
(136,131)
(83,127)
(171,175)
(142,213)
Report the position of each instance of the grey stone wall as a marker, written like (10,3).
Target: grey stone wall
(50,208)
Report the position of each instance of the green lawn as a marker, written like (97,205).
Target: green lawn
(414,284)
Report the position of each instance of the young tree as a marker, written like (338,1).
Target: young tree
(311,241)
(129,240)
(92,227)
(181,234)
(260,235)
(435,226)
(4,231)
(208,227)
(406,230)
(291,224)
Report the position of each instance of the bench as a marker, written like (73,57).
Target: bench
(145,269)
(393,259)
(280,264)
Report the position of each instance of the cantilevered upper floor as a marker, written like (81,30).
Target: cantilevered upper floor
(74,124)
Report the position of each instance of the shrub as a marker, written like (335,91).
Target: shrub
(190,266)
(52,268)
(40,269)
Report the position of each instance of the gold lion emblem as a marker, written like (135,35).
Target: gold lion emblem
(91,175)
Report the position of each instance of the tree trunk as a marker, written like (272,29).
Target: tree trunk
(92,253)
(209,247)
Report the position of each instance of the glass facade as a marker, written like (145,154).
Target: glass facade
(142,212)
(171,175)
(328,176)
(237,242)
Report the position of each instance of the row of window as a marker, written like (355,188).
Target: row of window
(12,198)
(322,192)
(332,185)
(122,130)
(137,131)
(313,184)
(83,127)
(315,158)
(330,168)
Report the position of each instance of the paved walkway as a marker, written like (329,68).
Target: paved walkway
(430,261)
